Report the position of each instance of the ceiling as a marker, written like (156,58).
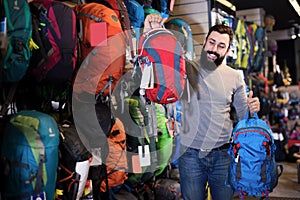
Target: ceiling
(283,12)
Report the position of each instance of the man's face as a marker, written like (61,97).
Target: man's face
(217,47)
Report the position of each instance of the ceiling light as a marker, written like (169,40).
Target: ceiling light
(295,5)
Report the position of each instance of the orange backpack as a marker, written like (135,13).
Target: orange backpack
(116,160)
(102,63)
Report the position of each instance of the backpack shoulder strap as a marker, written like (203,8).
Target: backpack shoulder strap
(35,29)
(8,99)
(39,181)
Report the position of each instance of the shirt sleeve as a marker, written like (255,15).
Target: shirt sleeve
(240,97)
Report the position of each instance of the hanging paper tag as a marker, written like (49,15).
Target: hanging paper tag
(144,155)
(147,81)
(136,167)
(98,34)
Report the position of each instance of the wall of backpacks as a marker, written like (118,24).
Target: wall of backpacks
(89,105)
(62,78)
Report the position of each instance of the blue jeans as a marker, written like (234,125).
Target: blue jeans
(196,168)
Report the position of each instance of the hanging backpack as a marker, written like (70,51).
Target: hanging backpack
(136,13)
(136,17)
(29,154)
(162,62)
(74,164)
(140,136)
(261,49)
(253,171)
(102,50)
(162,6)
(54,33)
(19,29)
(116,160)
(120,8)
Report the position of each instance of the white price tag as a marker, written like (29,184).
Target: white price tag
(144,155)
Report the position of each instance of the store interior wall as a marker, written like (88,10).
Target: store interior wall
(288,53)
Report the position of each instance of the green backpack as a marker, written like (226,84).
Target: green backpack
(164,143)
(160,145)
(19,28)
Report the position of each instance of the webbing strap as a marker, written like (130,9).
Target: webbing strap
(93,17)
(177,63)
(107,85)
(49,25)
(74,177)
(189,92)
(38,40)
(39,181)
(152,119)
(8,99)
(160,72)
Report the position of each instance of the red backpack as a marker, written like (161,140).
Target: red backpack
(162,62)
(102,63)
(54,32)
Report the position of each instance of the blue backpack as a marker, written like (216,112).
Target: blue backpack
(253,171)
(29,155)
(19,29)
(136,16)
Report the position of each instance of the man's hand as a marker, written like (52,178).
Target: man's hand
(253,103)
(153,21)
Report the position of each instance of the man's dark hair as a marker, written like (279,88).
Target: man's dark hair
(223,29)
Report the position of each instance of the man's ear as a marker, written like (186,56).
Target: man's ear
(228,49)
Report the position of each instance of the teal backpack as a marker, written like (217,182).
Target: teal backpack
(29,156)
(19,28)
(183,33)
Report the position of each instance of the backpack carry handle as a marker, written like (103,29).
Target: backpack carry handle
(248,115)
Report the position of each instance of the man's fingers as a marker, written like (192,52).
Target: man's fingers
(250,94)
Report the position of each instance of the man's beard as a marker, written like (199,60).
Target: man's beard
(210,64)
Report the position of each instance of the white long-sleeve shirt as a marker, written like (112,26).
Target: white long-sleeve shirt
(206,117)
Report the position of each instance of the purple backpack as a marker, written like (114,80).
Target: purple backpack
(54,32)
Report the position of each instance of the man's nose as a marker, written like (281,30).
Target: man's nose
(214,48)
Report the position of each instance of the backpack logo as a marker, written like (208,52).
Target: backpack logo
(114,18)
